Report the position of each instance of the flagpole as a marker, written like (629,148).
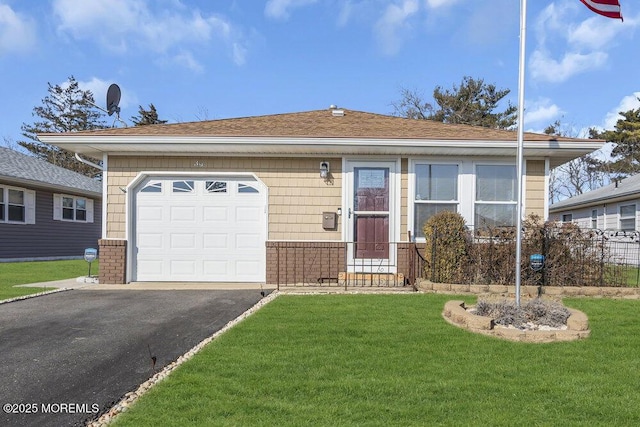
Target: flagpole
(521,67)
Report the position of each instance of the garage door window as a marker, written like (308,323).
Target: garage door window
(244,188)
(152,187)
(216,186)
(183,187)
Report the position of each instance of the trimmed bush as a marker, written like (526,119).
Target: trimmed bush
(447,247)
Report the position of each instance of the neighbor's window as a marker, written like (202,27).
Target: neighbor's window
(594,218)
(72,208)
(628,217)
(567,218)
(436,191)
(17,205)
(496,196)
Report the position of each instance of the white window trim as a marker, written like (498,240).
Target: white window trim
(512,203)
(411,189)
(29,205)
(57,208)
(634,216)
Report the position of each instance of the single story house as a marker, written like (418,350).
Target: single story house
(324,192)
(612,207)
(46,212)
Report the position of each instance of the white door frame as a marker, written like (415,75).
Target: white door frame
(388,265)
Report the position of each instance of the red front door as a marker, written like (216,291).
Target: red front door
(371,212)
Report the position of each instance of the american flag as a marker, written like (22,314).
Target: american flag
(608,8)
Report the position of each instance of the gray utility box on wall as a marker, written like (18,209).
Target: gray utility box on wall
(329,220)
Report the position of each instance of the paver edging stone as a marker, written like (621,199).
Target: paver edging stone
(456,313)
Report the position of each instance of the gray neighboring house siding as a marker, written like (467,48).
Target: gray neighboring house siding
(616,207)
(41,236)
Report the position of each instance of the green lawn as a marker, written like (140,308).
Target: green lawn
(381,360)
(21,273)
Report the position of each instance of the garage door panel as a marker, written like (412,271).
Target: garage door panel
(215,214)
(203,235)
(247,214)
(150,240)
(216,269)
(215,241)
(182,268)
(248,241)
(150,213)
(183,213)
(183,241)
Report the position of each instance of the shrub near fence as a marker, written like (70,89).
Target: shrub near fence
(573,257)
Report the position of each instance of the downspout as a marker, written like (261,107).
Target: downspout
(87,162)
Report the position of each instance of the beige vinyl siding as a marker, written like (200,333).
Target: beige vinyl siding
(297,194)
(535,190)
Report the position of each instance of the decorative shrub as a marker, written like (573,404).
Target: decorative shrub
(447,247)
(536,311)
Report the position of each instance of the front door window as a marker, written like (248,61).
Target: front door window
(371,212)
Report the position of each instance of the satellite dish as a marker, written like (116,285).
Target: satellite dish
(113,99)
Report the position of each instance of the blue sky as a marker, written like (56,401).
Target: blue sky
(210,59)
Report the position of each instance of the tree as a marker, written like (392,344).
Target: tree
(473,103)
(626,137)
(66,108)
(582,174)
(147,117)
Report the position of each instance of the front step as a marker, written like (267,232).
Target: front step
(371,279)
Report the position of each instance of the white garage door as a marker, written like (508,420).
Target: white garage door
(200,230)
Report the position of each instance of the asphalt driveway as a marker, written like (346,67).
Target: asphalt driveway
(66,357)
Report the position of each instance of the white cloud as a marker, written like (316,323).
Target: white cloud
(434,4)
(389,28)
(98,88)
(125,25)
(186,59)
(541,111)
(545,68)
(565,48)
(627,103)
(17,33)
(281,9)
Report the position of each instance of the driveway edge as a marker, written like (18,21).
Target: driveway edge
(133,396)
(39,294)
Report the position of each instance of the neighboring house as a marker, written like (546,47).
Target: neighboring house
(252,199)
(612,207)
(46,212)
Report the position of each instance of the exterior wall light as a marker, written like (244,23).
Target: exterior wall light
(324,170)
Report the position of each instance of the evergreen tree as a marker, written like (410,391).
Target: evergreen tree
(626,136)
(66,108)
(473,103)
(147,117)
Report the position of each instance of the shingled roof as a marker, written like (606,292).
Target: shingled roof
(19,168)
(627,188)
(332,123)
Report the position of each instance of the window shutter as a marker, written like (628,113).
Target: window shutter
(89,210)
(57,207)
(30,206)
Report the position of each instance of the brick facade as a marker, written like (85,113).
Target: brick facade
(113,261)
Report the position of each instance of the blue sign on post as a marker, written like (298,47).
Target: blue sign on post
(90,255)
(536,261)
